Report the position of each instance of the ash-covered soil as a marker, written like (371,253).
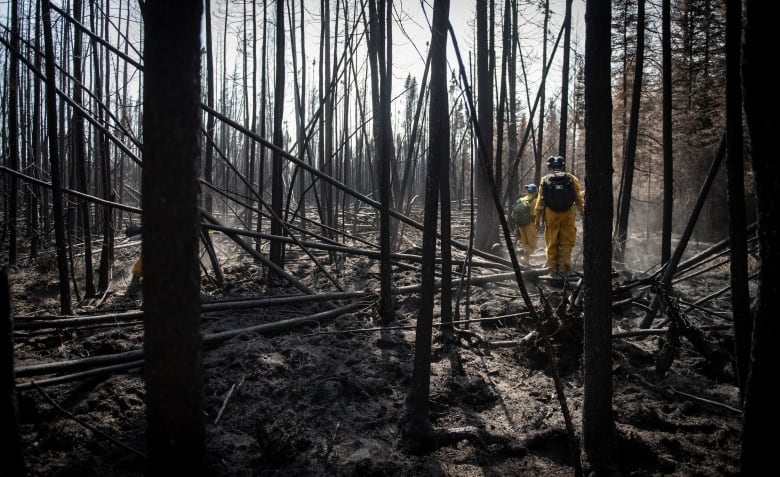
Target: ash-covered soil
(329,397)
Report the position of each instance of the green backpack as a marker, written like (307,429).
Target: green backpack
(521,214)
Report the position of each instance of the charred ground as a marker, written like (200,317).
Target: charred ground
(328,397)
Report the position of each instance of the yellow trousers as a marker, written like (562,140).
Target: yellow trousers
(137,268)
(528,239)
(560,233)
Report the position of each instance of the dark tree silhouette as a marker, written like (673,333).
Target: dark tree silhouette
(545,5)
(761,415)
(564,129)
(598,426)
(171,287)
(740,293)
(380,85)
(666,71)
(629,153)
(54,161)
(80,151)
(208,164)
(277,181)
(13,135)
(483,170)
(12,460)
(420,427)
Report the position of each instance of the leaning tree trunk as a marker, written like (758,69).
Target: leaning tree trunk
(674,261)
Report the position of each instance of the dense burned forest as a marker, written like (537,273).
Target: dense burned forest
(331,281)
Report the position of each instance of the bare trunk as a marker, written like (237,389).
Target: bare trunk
(277,192)
(172,339)
(54,161)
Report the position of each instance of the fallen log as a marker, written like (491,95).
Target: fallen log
(58,321)
(209,341)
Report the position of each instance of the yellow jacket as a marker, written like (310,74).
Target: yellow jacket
(579,196)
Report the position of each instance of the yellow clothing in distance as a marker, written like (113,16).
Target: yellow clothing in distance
(560,230)
(138,268)
(527,233)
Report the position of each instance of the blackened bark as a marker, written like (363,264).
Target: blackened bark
(12,461)
(420,424)
(598,425)
(382,137)
(13,134)
(740,293)
(629,154)
(666,67)
(564,129)
(761,415)
(277,194)
(171,286)
(54,161)
(486,221)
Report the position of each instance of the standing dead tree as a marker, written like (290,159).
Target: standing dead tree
(54,162)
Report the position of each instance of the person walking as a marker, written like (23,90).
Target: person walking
(526,234)
(559,194)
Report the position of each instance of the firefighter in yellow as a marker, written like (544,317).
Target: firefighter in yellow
(559,194)
(138,269)
(527,233)
(133,233)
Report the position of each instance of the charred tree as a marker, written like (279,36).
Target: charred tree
(171,286)
(263,120)
(13,135)
(598,425)
(740,293)
(102,159)
(668,164)
(761,416)
(277,193)
(564,129)
(483,169)
(420,428)
(54,161)
(629,151)
(382,138)
(80,152)
(12,462)
(506,39)
(540,149)
(208,163)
